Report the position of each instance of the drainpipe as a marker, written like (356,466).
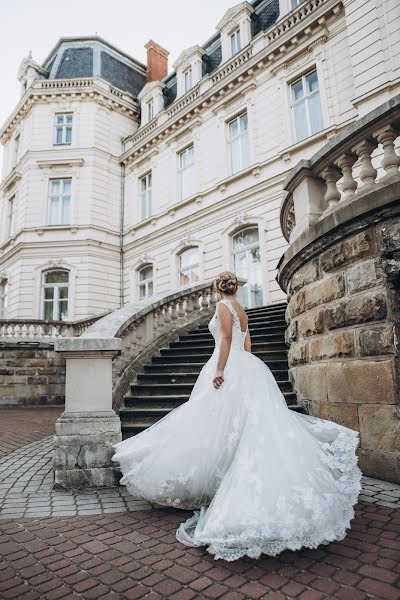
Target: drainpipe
(121,236)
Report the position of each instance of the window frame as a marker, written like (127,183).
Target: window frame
(146,195)
(150,110)
(17,140)
(187,75)
(3,298)
(235,41)
(247,249)
(61,198)
(10,219)
(184,169)
(189,268)
(240,136)
(145,283)
(63,126)
(305,99)
(55,301)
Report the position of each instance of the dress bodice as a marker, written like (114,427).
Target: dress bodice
(238,336)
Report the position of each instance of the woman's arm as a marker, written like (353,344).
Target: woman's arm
(225,325)
(247,342)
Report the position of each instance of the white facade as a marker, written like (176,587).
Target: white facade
(298,82)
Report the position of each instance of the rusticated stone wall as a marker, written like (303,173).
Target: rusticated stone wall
(31,375)
(343,317)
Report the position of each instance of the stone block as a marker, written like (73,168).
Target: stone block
(296,305)
(376,340)
(298,353)
(291,332)
(380,427)
(325,290)
(362,276)
(348,251)
(339,412)
(307,274)
(357,309)
(380,464)
(311,323)
(389,234)
(361,382)
(336,345)
(86,478)
(309,383)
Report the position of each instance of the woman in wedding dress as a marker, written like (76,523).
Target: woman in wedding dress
(259,477)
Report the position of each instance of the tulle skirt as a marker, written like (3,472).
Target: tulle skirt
(259,477)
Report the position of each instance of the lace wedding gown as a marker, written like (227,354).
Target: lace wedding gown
(260,477)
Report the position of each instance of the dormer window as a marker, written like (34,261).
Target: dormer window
(188,75)
(235,42)
(150,110)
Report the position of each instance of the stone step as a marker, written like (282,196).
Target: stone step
(257,335)
(154,388)
(171,377)
(275,326)
(164,399)
(133,424)
(172,361)
(178,368)
(195,353)
(257,342)
(281,307)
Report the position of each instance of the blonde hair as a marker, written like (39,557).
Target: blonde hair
(226,283)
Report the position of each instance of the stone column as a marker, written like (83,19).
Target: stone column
(88,427)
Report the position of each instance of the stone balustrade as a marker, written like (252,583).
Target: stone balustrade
(341,272)
(354,163)
(38,329)
(106,352)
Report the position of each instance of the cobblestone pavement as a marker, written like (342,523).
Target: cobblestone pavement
(136,555)
(26,489)
(23,425)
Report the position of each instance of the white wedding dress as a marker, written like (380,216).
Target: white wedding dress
(260,477)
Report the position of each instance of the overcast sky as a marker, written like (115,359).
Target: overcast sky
(36,25)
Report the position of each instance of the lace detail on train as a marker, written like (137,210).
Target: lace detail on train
(238,336)
(260,477)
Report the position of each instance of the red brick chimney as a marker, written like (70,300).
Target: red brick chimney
(157,61)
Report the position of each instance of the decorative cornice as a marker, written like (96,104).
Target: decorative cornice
(52,163)
(85,88)
(187,54)
(232,13)
(306,25)
(10,181)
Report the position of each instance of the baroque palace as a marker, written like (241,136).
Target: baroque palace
(121,181)
(270,150)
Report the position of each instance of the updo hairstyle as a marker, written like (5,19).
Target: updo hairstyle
(226,283)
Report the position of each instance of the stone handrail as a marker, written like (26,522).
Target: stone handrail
(355,162)
(39,329)
(292,19)
(232,65)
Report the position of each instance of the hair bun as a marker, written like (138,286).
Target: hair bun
(227,283)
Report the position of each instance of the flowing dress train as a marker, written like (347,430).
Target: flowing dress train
(259,477)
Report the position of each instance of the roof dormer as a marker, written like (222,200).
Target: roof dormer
(235,29)
(28,71)
(151,100)
(189,69)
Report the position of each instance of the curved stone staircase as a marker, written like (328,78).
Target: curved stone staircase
(168,380)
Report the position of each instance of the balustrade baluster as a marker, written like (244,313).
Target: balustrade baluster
(204,299)
(331,175)
(349,184)
(367,173)
(391,161)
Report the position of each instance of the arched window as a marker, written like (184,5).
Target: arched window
(189,266)
(145,282)
(246,258)
(55,295)
(3,298)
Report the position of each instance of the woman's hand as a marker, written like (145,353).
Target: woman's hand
(218,379)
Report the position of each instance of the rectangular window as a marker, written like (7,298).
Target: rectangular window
(235,42)
(296,3)
(59,201)
(186,173)
(188,80)
(306,106)
(239,143)
(150,110)
(63,129)
(145,197)
(10,216)
(3,298)
(16,149)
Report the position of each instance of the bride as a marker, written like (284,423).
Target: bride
(259,477)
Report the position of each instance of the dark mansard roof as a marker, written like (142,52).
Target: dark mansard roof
(93,56)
